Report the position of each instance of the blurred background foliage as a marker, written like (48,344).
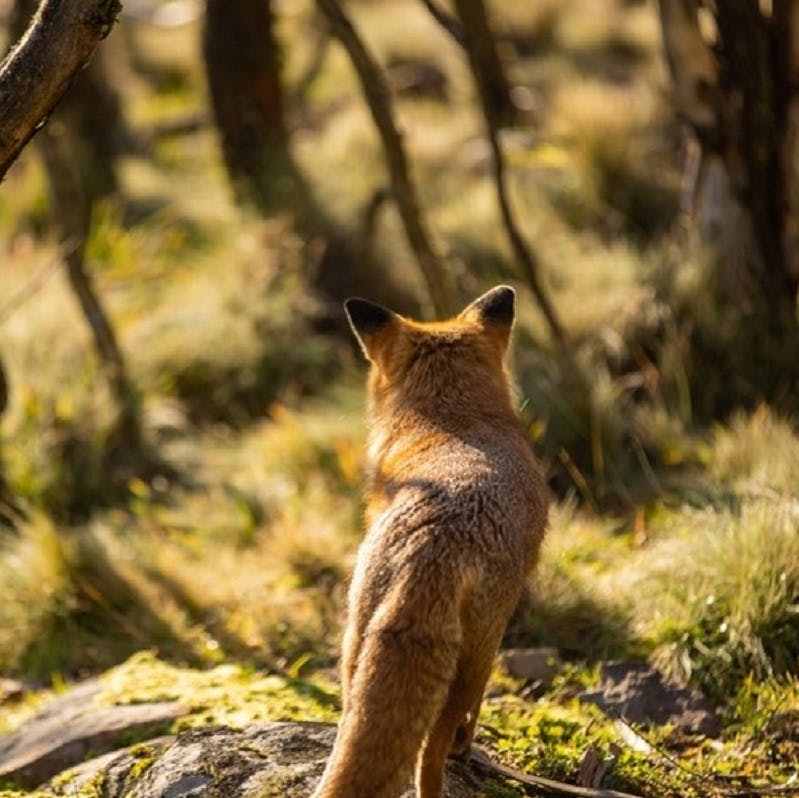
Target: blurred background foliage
(182,435)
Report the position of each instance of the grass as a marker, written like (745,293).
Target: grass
(669,540)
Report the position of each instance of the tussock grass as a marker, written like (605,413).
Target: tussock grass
(247,558)
(75,599)
(709,590)
(720,598)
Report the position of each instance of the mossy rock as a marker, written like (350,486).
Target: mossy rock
(267,760)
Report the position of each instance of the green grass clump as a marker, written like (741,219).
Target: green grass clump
(721,597)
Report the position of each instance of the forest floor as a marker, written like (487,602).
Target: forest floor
(218,577)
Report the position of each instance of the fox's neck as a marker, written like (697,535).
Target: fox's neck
(401,425)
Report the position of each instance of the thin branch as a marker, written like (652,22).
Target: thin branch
(482,761)
(449,23)
(370,213)
(58,43)
(378,97)
(636,740)
(524,255)
(37,282)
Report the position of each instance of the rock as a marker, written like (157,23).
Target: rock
(638,693)
(11,690)
(68,729)
(537,664)
(270,760)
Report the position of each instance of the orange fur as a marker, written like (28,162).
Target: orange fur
(456,510)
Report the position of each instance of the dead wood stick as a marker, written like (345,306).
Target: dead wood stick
(481,760)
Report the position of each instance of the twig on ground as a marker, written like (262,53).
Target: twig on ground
(482,761)
(638,742)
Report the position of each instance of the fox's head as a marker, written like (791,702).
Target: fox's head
(437,366)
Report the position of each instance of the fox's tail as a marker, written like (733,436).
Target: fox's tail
(399,687)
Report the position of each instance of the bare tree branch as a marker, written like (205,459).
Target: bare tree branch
(378,97)
(36,73)
(480,45)
(446,21)
(524,255)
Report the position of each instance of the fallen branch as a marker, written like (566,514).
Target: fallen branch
(378,98)
(59,42)
(481,760)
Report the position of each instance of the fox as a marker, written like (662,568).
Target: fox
(455,511)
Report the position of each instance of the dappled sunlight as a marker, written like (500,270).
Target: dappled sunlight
(208,560)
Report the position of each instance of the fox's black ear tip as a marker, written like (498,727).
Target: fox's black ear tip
(498,305)
(366,316)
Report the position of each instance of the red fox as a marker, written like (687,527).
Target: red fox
(455,513)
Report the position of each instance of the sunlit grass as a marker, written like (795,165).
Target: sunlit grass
(666,541)
(732,609)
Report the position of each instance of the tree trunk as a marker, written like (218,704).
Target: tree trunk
(740,99)
(59,43)
(242,62)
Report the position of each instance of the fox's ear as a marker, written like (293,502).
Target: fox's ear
(369,321)
(497,306)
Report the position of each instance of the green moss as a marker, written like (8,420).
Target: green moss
(228,695)
(492,788)
(144,756)
(276,786)
(13,793)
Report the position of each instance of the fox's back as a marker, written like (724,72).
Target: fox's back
(469,501)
